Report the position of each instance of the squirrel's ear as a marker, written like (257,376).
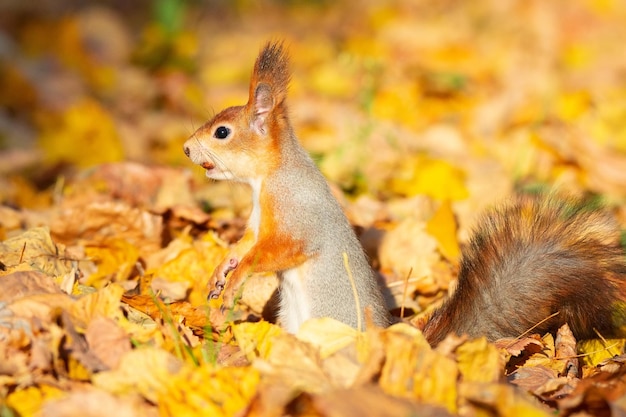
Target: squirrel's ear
(262,104)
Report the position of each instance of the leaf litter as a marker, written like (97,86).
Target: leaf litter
(420,115)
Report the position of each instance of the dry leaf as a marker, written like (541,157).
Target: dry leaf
(479,361)
(34,250)
(372,402)
(328,335)
(505,399)
(565,350)
(98,222)
(414,370)
(95,403)
(408,248)
(435,178)
(443,227)
(107,341)
(21,284)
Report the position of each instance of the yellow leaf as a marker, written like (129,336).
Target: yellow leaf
(34,250)
(27,402)
(595,351)
(436,178)
(207,391)
(191,264)
(502,400)
(328,335)
(147,371)
(255,339)
(577,56)
(397,103)
(412,369)
(570,106)
(104,303)
(479,361)
(443,227)
(84,134)
(330,79)
(179,388)
(115,258)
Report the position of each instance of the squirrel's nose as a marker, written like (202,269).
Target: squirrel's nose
(186,150)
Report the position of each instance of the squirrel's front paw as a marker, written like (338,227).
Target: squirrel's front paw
(219,276)
(228,299)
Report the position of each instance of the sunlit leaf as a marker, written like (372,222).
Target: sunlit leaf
(255,339)
(479,361)
(444,228)
(85,134)
(115,259)
(595,351)
(432,177)
(28,401)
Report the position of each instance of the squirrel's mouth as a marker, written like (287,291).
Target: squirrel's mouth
(207,165)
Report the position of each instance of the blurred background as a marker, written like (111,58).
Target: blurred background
(455,100)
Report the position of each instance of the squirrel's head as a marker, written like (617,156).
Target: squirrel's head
(243,142)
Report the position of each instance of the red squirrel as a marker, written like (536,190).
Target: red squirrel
(525,263)
(297,228)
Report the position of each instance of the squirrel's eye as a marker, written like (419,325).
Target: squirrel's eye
(221,132)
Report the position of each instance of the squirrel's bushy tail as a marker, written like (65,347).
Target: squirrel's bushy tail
(534,258)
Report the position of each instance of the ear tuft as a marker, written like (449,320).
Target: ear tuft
(268,87)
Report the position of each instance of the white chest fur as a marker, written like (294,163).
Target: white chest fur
(294,304)
(255,216)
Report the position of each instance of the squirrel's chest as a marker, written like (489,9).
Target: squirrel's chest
(254,221)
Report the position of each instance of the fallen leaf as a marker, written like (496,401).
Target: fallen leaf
(595,351)
(22,284)
(413,370)
(116,260)
(107,341)
(565,350)
(436,178)
(95,403)
(370,401)
(479,361)
(34,250)
(96,222)
(443,227)
(409,249)
(70,136)
(505,399)
(327,334)
(29,401)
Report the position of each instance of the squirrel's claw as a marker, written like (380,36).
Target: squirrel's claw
(219,276)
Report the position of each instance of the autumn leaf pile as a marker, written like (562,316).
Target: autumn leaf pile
(420,114)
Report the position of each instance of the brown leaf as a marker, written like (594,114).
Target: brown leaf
(107,341)
(594,394)
(96,403)
(408,249)
(26,283)
(565,344)
(369,401)
(98,221)
(76,345)
(516,346)
(34,249)
(531,378)
(198,318)
(144,186)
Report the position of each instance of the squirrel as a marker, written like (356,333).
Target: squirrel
(540,261)
(296,228)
